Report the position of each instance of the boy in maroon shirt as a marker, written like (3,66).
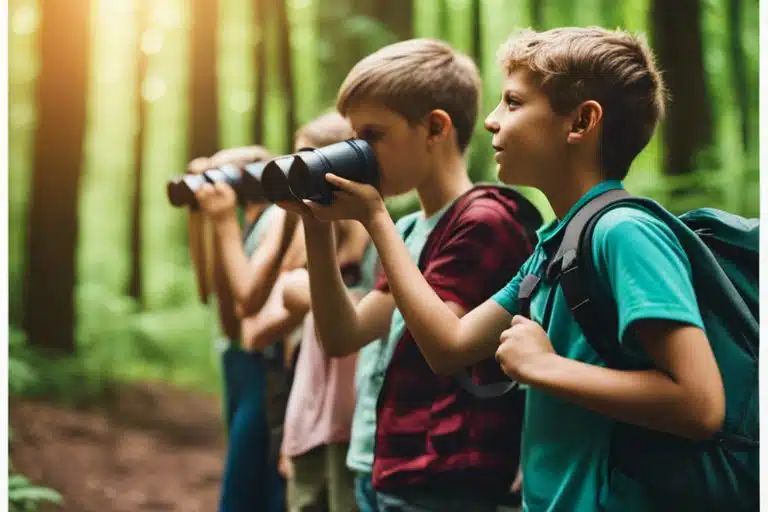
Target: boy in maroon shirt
(437,446)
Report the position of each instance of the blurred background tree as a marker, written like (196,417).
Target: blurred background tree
(110,98)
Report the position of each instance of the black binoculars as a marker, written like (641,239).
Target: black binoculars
(181,191)
(297,176)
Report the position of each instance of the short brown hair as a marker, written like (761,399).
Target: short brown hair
(612,67)
(414,77)
(327,129)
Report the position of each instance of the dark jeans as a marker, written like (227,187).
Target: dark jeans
(365,496)
(418,501)
(249,482)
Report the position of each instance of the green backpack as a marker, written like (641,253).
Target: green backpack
(682,474)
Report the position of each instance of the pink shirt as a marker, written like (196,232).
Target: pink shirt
(322,398)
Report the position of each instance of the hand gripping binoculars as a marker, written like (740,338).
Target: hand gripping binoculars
(298,176)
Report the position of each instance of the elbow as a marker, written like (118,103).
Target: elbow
(241,311)
(707,417)
(712,418)
(444,364)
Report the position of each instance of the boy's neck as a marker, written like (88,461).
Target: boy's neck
(448,181)
(572,185)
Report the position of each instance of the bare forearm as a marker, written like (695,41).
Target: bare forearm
(265,329)
(648,398)
(250,284)
(225,303)
(334,311)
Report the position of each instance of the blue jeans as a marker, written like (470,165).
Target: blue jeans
(249,482)
(365,496)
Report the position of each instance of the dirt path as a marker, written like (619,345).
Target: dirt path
(154,448)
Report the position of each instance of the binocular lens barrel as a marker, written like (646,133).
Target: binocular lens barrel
(290,177)
(181,191)
(351,159)
(274,179)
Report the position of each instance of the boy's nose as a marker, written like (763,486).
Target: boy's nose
(491,124)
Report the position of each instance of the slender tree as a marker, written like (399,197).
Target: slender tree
(677,40)
(286,70)
(537,13)
(260,57)
(738,68)
(135,288)
(203,86)
(444,19)
(62,87)
(397,16)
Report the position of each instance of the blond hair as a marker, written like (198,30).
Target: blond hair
(326,129)
(612,67)
(414,77)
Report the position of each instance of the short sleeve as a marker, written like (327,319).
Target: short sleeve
(484,251)
(507,296)
(640,262)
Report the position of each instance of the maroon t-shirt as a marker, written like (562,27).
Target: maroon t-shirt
(430,432)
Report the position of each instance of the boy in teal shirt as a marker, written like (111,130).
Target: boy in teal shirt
(578,105)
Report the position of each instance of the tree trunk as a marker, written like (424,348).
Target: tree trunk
(477,33)
(397,16)
(677,40)
(537,13)
(285,54)
(444,22)
(611,13)
(739,69)
(203,78)
(260,55)
(62,87)
(135,288)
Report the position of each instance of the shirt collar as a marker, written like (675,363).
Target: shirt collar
(552,229)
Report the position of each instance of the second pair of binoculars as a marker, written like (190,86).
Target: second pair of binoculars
(297,176)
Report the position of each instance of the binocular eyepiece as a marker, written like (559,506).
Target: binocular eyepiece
(297,176)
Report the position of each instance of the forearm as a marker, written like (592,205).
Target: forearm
(355,243)
(250,284)
(269,327)
(648,398)
(225,303)
(334,311)
(435,326)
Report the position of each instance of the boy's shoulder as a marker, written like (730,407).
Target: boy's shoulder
(499,206)
(627,225)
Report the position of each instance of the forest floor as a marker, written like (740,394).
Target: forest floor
(151,448)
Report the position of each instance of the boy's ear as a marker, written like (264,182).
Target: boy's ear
(586,120)
(438,125)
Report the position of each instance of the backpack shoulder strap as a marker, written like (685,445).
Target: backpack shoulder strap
(596,315)
(597,319)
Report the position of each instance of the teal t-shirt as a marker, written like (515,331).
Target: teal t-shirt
(565,448)
(373,359)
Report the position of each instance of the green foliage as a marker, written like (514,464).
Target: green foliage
(170,337)
(23,496)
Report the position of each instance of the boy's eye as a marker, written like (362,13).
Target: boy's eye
(511,101)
